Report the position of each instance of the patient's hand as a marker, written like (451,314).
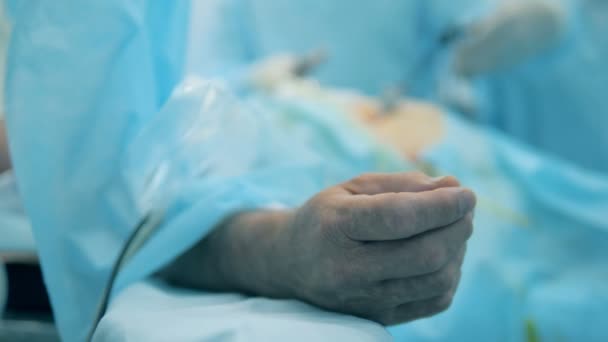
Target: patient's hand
(384,247)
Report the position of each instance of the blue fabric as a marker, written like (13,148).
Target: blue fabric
(371,45)
(557,101)
(14,224)
(82,79)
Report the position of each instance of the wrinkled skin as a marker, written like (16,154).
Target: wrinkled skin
(384,247)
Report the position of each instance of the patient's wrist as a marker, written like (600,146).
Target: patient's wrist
(255,263)
(241,255)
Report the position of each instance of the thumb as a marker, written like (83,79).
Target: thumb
(378,183)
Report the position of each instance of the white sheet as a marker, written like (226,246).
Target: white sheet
(152,311)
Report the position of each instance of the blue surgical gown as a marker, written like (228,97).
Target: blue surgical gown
(372,45)
(82,78)
(558,100)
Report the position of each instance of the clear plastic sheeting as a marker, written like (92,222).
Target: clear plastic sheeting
(207,135)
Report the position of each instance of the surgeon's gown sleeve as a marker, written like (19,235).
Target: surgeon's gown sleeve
(85,87)
(557,101)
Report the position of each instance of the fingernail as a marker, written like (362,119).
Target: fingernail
(438,179)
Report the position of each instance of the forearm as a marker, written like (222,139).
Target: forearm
(238,256)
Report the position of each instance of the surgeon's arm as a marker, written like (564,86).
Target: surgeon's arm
(384,247)
(5,161)
(515,32)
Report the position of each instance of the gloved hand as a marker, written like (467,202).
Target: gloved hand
(272,71)
(514,32)
(384,247)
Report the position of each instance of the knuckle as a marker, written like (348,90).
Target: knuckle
(337,229)
(339,220)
